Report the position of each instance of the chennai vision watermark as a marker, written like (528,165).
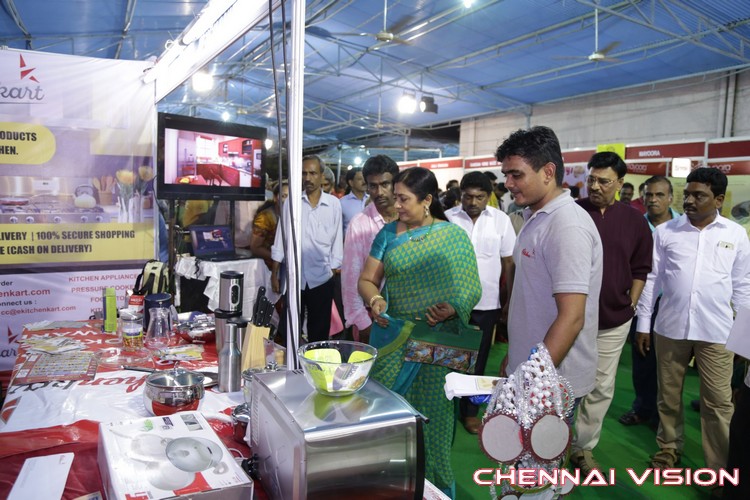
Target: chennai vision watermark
(531,478)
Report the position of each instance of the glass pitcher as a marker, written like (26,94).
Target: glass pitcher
(159,332)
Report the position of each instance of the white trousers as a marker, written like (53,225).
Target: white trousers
(594,406)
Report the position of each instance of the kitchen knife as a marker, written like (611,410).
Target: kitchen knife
(261,293)
(255,320)
(262,311)
(258,314)
(268,314)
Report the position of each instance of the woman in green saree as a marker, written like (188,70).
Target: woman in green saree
(430,273)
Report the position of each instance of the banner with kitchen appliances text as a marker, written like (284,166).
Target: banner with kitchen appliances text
(76,180)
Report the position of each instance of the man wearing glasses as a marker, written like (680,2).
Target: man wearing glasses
(627,243)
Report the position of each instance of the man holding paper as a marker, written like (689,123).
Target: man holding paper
(701,263)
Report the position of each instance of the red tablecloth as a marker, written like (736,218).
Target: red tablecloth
(81,436)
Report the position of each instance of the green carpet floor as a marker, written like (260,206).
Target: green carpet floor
(620,447)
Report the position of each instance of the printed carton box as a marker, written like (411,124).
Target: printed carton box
(168,457)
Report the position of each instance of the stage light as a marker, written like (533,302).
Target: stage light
(427,105)
(407,104)
(202,81)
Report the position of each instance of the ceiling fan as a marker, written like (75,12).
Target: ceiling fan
(599,55)
(388,33)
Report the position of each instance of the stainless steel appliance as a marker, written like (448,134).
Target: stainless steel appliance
(231,284)
(230,291)
(31,213)
(367,445)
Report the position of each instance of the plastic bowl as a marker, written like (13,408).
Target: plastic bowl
(337,367)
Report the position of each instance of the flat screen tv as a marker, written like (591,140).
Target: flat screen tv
(199,159)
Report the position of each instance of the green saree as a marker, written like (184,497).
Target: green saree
(429,265)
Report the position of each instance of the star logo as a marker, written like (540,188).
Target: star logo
(26,73)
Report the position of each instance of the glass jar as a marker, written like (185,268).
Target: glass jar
(131,328)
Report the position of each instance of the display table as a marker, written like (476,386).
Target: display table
(113,395)
(50,418)
(62,416)
(255,271)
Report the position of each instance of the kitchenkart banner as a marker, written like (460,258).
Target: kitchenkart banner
(64,296)
(76,184)
(76,174)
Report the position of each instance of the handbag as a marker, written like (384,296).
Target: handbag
(453,344)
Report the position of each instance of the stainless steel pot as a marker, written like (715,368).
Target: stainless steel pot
(170,391)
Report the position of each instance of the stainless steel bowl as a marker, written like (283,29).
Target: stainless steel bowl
(170,391)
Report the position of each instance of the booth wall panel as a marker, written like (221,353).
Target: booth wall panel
(672,111)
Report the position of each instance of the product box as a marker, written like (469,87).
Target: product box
(171,456)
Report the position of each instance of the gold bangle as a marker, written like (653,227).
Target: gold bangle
(374,298)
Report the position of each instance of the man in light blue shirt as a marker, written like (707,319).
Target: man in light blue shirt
(354,202)
(322,250)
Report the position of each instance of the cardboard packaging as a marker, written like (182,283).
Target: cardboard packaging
(172,456)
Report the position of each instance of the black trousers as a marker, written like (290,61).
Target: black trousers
(485,320)
(644,374)
(739,447)
(317,303)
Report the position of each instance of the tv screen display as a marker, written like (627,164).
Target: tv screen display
(207,159)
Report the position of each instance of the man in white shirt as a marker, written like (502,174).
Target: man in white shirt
(322,250)
(493,237)
(701,263)
(354,202)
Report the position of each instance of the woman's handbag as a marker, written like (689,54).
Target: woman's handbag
(452,344)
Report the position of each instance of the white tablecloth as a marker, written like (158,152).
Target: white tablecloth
(255,272)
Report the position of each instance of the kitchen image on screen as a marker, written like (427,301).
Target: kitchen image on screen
(203,159)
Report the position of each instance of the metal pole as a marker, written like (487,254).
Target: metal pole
(293,248)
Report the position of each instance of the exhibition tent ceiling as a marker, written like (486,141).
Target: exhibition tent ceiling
(362,56)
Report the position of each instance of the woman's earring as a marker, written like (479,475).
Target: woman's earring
(426,211)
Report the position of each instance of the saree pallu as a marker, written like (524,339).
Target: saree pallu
(427,266)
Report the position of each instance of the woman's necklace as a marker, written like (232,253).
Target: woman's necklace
(419,238)
(390,218)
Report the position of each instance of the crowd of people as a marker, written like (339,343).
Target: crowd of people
(580,275)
